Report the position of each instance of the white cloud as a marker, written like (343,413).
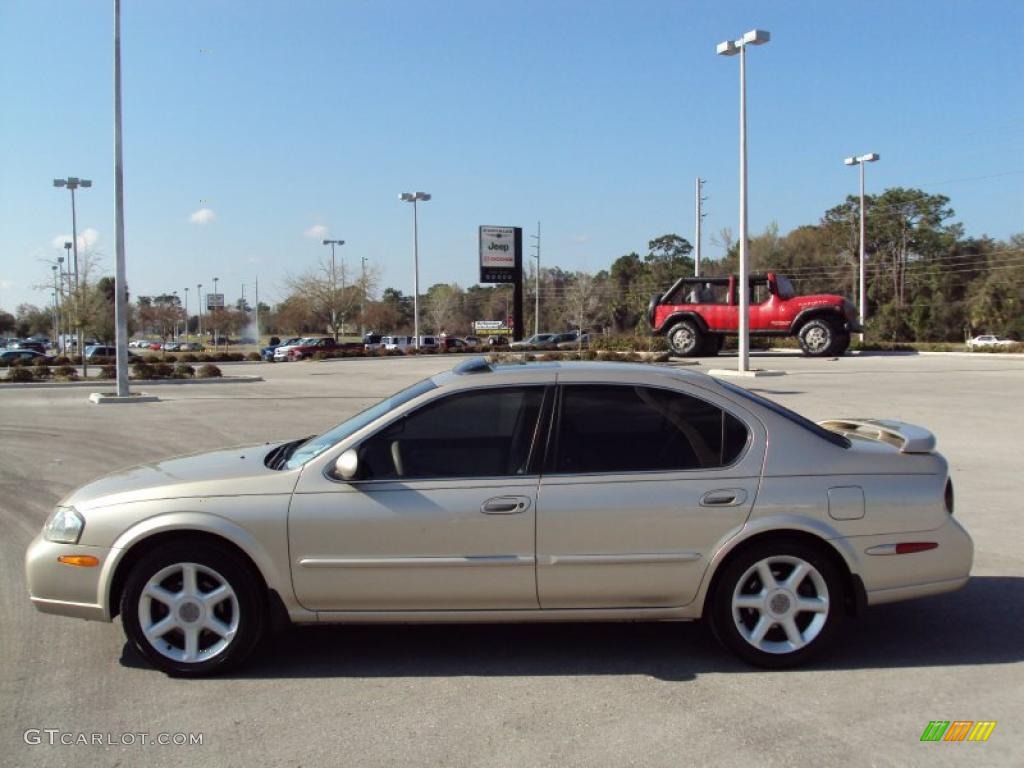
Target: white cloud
(88,238)
(202,216)
(581,239)
(5,284)
(316,232)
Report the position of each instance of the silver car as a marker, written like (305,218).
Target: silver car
(530,492)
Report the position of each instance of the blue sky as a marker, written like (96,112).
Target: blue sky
(306,119)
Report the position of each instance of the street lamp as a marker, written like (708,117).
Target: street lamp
(199,300)
(731,48)
(861,160)
(56,309)
(186,314)
(362,308)
(213,317)
(536,307)
(72,183)
(415,197)
(334,288)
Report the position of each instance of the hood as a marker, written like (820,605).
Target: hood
(229,472)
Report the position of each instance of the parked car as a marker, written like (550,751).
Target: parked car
(498,340)
(36,346)
(190,346)
(697,313)
(453,344)
(247,340)
(309,347)
(667,494)
(576,342)
(155,346)
(9,356)
(267,353)
(988,341)
(474,341)
(281,352)
(537,341)
(171,346)
(105,351)
(372,342)
(399,343)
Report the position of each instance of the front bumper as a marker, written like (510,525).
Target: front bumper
(68,590)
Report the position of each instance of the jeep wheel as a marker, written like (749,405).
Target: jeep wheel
(818,338)
(685,338)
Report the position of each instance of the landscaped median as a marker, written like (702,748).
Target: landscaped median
(41,374)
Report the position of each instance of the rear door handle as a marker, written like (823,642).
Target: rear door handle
(505,505)
(725,497)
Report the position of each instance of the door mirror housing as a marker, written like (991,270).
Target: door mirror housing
(346,466)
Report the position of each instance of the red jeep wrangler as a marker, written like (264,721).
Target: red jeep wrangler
(696,313)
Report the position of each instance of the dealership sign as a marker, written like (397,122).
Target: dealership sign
(501,254)
(215,301)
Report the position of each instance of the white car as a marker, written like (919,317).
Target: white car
(281,353)
(989,341)
(403,343)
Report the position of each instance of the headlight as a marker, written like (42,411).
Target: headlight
(63,526)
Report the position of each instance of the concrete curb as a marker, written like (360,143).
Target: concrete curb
(148,382)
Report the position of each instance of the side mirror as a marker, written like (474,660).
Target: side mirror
(347,465)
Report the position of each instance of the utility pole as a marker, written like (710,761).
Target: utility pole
(536,310)
(699,219)
(199,295)
(334,287)
(256,290)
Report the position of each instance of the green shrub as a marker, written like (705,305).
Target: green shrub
(108,372)
(151,359)
(253,357)
(629,343)
(142,370)
(188,357)
(66,373)
(62,360)
(208,371)
(20,374)
(41,368)
(163,371)
(183,371)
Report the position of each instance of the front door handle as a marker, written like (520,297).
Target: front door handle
(724,497)
(505,505)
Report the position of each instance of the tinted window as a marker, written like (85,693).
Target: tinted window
(485,433)
(631,429)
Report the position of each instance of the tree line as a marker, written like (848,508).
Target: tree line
(926,282)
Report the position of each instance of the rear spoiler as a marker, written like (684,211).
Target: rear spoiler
(909,438)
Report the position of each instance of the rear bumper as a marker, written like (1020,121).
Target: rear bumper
(889,578)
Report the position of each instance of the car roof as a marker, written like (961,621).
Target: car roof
(477,370)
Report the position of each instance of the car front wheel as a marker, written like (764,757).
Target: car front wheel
(685,338)
(818,338)
(191,608)
(777,604)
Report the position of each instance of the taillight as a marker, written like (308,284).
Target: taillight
(949,495)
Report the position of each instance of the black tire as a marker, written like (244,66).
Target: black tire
(736,627)
(818,338)
(685,338)
(243,614)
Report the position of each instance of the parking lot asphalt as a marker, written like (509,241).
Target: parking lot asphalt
(524,695)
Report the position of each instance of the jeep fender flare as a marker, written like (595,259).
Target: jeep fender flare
(677,317)
(813,313)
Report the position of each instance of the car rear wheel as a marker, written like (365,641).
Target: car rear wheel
(685,338)
(777,604)
(818,338)
(192,608)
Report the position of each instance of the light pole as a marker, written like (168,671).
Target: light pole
(213,317)
(177,305)
(362,303)
(334,288)
(186,314)
(536,307)
(199,300)
(731,48)
(415,197)
(56,309)
(72,183)
(699,217)
(861,160)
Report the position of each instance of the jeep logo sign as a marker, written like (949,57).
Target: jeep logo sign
(496,247)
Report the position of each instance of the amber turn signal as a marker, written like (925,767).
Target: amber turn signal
(84,561)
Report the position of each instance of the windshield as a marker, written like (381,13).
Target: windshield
(785,288)
(317,445)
